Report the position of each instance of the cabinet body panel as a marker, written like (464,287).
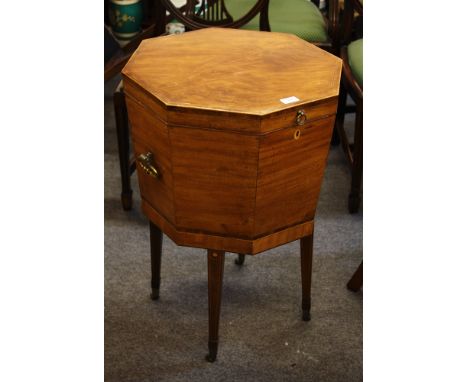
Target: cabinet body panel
(150,135)
(290,170)
(215,175)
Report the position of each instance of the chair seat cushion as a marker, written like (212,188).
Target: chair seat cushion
(299,17)
(355,60)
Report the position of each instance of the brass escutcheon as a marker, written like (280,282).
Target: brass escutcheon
(144,160)
(301,117)
(297,134)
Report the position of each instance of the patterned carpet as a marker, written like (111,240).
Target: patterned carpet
(262,336)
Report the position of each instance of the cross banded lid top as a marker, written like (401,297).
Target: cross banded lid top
(234,70)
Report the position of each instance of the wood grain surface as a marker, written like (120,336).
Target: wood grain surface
(290,174)
(227,243)
(150,135)
(215,176)
(248,72)
(244,177)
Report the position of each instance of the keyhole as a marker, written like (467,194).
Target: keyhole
(297,134)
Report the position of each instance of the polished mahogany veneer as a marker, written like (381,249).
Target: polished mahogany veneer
(238,168)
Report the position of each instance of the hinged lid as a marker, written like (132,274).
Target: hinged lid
(235,71)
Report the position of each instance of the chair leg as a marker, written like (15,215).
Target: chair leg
(356,177)
(307,244)
(215,285)
(335,140)
(156,239)
(240,259)
(355,283)
(340,114)
(123,140)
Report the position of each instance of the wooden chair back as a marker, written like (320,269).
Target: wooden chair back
(352,21)
(211,13)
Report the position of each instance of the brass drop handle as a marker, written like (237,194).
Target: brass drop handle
(301,117)
(145,161)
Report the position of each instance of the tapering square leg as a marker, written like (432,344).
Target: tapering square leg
(215,286)
(307,244)
(156,239)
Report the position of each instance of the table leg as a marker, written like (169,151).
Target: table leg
(215,285)
(156,239)
(307,244)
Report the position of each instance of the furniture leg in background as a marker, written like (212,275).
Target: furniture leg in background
(355,283)
(156,239)
(356,172)
(240,259)
(352,85)
(123,140)
(340,115)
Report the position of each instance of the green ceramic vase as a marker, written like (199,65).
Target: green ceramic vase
(125,18)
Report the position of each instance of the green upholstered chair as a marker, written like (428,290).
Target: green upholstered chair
(355,60)
(352,85)
(299,17)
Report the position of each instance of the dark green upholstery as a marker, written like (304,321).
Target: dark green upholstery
(355,60)
(299,17)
